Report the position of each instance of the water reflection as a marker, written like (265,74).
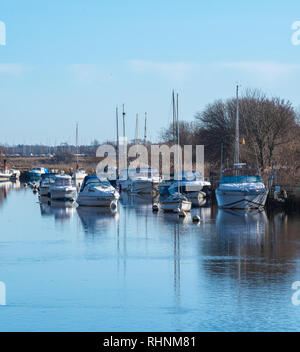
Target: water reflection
(61,211)
(138,269)
(140,202)
(248,223)
(250,246)
(176,253)
(4,189)
(96,220)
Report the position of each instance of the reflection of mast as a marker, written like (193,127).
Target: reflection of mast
(124,243)
(177,262)
(118,245)
(118,145)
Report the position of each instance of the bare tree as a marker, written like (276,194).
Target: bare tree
(265,124)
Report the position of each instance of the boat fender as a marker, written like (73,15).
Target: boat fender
(113,205)
(196,218)
(182,214)
(155,207)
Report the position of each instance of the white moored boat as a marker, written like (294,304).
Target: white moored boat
(176,202)
(36,172)
(96,192)
(145,180)
(4,176)
(7,175)
(240,187)
(192,184)
(63,189)
(46,182)
(78,177)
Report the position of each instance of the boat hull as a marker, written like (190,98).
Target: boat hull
(56,194)
(144,186)
(89,201)
(34,175)
(44,191)
(174,206)
(241,199)
(197,198)
(124,185)
(4,178)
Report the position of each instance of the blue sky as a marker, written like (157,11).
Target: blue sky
(74,60)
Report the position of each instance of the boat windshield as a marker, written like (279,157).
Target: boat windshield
(47,180)
(63,182)
(98,183)
(241,179)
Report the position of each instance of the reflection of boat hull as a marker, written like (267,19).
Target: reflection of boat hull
(241,199)
(241,222)
(45,199)
(95,219)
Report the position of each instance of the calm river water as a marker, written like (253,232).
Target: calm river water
(68,269)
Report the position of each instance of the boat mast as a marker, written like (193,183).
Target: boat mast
(77,166)
(124,134)
(177,128)
(145,129)
(137,129)
(237,132)
(221,163)
(117,125)
(178,148)
(174,117)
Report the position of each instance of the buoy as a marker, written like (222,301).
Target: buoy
(196,218)
(155,207)
(182,214)
(113,205)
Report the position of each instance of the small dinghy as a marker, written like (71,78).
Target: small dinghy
(176,203)
(97,192)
